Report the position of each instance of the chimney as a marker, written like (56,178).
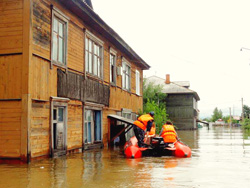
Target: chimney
(167,81)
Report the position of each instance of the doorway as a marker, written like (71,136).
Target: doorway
(59,130)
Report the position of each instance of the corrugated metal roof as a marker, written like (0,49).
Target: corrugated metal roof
(173,87)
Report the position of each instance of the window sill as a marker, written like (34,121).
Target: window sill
(59,64)
(112,84)
(93,76)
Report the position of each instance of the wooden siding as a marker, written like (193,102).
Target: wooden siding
(10,129)
(43,79)
(41,26)
(122,99)
(74,127)
(105,124)
(10,77)
(11,29)
(74,86)
(180,110)
(75,47)
(40,129)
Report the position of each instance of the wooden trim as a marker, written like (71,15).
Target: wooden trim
(25,147)
(93,106)
(44,58)
(82,73)
(39,100)
(10,99)
(8,54)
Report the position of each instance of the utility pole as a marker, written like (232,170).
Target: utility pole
(242,109)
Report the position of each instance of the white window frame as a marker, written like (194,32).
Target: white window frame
(124,74)
(93,141)
(137,82)
(94,41)
(57,14)
(113,53)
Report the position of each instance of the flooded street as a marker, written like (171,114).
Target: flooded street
(220,158)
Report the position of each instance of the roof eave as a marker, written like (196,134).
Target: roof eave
(91,18)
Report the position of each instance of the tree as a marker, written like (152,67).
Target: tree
(154,100)
(246,111)
(217,114)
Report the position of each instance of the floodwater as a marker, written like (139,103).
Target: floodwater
(220,158)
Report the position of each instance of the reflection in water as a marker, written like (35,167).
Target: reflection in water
(220,158)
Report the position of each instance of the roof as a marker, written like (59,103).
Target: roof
(173,87)
(83,9)
(89,3)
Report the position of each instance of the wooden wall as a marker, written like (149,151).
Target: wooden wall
(180,109)
(11,21)
(40,129)
(10,129)
(122,99)
(11,48)
(74,127)
(43,79)
(10,77)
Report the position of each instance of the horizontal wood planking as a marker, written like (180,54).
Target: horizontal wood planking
(75,48)
(41,28)
(10,77)
(74,127)
(40,128)
(10,132)
(43,79)
(11,30)
(129,101)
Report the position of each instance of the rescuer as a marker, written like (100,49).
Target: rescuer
(168,133)
(142,124)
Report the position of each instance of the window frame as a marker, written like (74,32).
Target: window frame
(98,42)
(137,81)
(113,53)
(126,63)
(57,14)
(92,110)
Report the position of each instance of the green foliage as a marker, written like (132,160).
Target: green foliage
(153,93)
(246,111)
(154,100)
(160,113)
(246,123)
(226,118)
(217,114)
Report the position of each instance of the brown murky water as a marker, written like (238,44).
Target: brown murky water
(220,158)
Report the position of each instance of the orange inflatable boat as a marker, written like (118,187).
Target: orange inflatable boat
(157,148)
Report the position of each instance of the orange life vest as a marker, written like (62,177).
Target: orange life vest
(152,131)
(142,121)
(168,133)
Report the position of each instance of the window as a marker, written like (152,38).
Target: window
(126,75)
(59,37)
(93,55)
(137,82)
(92,126)
(112,62)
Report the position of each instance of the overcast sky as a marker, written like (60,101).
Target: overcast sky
(192,40)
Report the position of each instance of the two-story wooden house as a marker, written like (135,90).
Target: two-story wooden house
(63,70)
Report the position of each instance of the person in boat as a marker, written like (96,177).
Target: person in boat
(152,131)
(168,133)
(142,124)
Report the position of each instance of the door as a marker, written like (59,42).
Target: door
(59,129)
(92,126)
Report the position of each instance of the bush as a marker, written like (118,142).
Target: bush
(246,124)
